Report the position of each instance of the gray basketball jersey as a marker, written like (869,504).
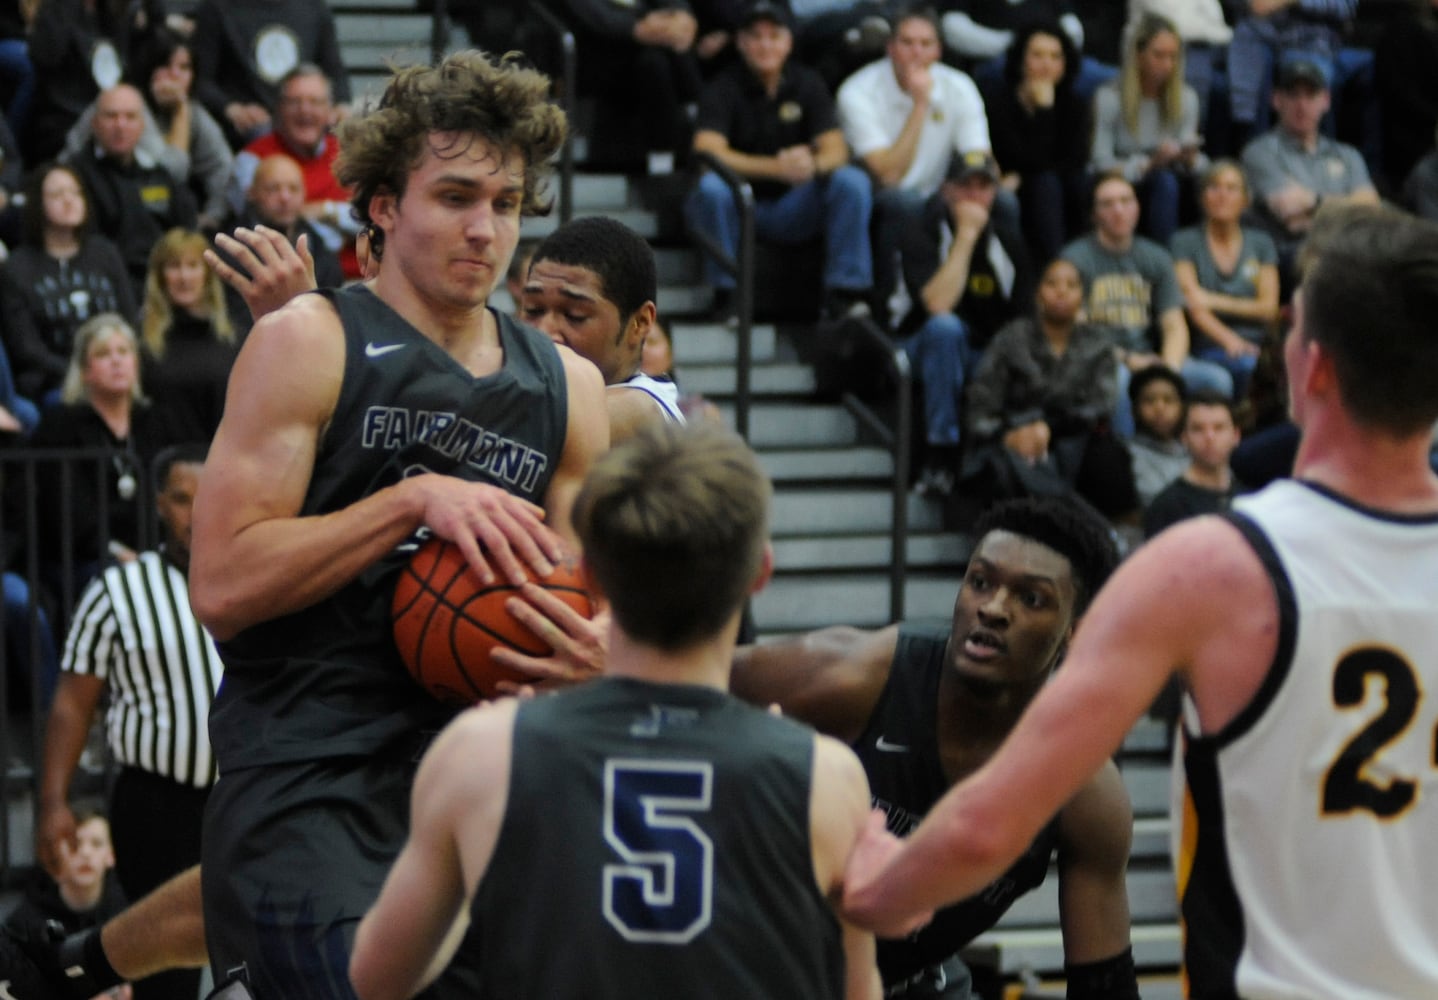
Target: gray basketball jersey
(656,844)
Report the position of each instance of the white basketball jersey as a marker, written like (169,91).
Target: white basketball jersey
(1306,832)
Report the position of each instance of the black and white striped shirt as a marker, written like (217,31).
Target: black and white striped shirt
(134,629)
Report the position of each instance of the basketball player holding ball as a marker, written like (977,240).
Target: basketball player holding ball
(355,418)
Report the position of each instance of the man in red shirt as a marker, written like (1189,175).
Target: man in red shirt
(302,132)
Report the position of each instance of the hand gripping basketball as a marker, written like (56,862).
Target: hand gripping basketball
(447,622)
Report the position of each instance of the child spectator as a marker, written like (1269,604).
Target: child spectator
(82,893)
(1207,485)
(1159,458)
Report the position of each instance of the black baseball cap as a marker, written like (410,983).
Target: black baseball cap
(976,161)
(766,10)
(1302,72)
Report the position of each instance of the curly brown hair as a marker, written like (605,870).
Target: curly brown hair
(470,94)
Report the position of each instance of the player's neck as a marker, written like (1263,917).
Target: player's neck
(469,334)
(1377,470)
(706,664)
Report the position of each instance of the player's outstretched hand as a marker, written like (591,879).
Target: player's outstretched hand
(489,524)
(867,861)
(581,645)
(274,272)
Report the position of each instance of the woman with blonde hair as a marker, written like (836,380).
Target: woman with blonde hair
(102,408)
(189,342)
(1146,123)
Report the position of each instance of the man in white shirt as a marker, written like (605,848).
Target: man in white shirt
(905,117)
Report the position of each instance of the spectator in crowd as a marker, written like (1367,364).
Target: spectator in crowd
(17,75)
(983,30)
(1405,69)
(1146,124)
(657,361)
(131,195)
(1207,486)
(642,57)
(1156,396)
(18,415)
(134,634)
(1273,33)
(836,37)
(1131,287)
(179,133)
(78,48)
(244,51)
(772,121)
(1205,33)
(65,273)
(79,890)
(102,407)
(12,178)
(188,343)
(1293,167)
(1229,276)
(905,117)
(1040,129)
(302,132)
(966,274)
(1420,190)
(276,200)
(1041,399)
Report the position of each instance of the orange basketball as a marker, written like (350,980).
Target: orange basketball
(446,622)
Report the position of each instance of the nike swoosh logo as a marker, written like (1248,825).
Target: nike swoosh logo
(380,350)
(887,747)
(5,993)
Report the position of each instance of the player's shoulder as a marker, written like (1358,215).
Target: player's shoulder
(479,733)
(309,320)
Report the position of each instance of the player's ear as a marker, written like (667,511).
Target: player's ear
(766,570)
(641,321)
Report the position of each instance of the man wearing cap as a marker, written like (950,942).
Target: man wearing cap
(1293,167)
(904,117)
(772,121)
(966,273)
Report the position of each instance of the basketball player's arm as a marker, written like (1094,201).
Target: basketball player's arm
(830,679)
(254,558)
(1095,838)
(630,410)
(412,931)
(838,807)
(1135,635)
(586,437)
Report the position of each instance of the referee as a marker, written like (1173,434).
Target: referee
(134,629)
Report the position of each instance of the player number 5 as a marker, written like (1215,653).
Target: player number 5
(661,892)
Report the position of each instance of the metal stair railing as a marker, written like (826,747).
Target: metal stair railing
(741,266)
(899,440)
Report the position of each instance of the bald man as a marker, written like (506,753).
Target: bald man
(275,198)
(132,200)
